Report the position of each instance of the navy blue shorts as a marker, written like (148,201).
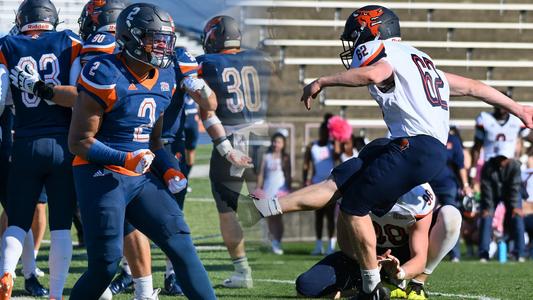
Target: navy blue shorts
(385,170)
(191,133)
(107,199)
(37,163)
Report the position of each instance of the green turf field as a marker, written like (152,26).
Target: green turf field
(274,275)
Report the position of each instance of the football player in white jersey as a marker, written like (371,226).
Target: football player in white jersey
(412,239)
(413,95)
(497,133)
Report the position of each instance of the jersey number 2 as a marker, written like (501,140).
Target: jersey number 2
(430,80)
(244,87)
(147,108)
(47,62)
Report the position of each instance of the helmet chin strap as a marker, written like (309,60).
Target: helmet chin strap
(137,59)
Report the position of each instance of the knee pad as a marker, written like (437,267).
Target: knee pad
(451,218)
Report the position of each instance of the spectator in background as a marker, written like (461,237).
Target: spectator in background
(319,160)
(274,178)
(527,204)
(497,134)
(446,185)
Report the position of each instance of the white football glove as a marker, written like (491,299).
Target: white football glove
(267,207)
(193,84)
(176,184)
(139,161)
(25,80)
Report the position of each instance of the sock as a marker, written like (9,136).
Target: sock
(332,243)
(169,268)
(318,244)
(417,281)
(443,236)
(35,253)
(28,256)
(126,266)
(12,248)
(143,287)
(59,261)
(371,279)
(241,265)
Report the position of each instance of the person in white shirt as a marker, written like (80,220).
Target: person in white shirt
(497,133)
(413,95)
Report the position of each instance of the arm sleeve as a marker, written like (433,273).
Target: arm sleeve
(368,54)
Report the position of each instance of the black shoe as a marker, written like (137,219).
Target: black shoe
(121,283)
(379,293)
(34,287)
(172,287)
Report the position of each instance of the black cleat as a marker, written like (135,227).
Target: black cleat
(121,283)
(172,287)
(379,293)
(34,287)
(416,291)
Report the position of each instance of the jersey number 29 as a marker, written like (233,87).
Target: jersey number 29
(47,63)
(244,87)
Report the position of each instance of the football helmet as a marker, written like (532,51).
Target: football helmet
(368,23)
(100,15)
(146,33)
(220,33)
(36,15)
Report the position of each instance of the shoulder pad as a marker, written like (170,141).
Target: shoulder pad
(98,77)
(420,201)
(368,53)
(185,62)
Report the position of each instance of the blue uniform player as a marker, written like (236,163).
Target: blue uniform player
(117,117)
(43,65)
(240,80)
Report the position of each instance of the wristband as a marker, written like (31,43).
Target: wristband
(224,147)
(99,153)
(213,120)
(44,90)
(401,274)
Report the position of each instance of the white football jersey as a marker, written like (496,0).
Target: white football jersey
(392,230)
(499,139)
(418,101)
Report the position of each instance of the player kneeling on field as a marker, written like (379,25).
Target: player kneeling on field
(412,240)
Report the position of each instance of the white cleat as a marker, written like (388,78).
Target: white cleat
(38,272)
(239,281)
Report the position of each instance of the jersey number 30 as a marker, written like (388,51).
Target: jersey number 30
(47,63)
(244,86)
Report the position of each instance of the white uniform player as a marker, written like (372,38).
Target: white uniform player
(416,82)
(499,137)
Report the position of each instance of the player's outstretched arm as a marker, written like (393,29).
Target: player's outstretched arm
(462,86)
(354,77)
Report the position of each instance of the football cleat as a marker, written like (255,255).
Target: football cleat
(239,280)
(379,293)
(172,287)
(121,283)
(415,291)
(34,287)
(6,286)
(398,293)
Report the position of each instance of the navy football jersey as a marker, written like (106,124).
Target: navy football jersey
(131,106)
(96,44)
(241,80)
(184,65)
(52,54)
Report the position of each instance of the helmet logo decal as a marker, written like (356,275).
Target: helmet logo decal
(370,19)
